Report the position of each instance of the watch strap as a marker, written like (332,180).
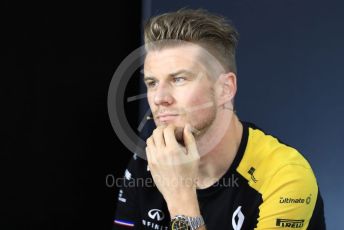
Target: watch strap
(193,222)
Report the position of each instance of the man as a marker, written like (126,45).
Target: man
(210,170)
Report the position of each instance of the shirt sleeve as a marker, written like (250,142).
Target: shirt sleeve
(127,211)
(289,199)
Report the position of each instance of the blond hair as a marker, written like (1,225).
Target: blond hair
(211,31)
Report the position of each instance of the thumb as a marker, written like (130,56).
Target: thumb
(189,141)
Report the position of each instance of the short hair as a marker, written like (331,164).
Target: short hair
(213,32)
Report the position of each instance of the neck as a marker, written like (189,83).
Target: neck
(219,147)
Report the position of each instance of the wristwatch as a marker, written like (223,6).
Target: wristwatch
(182,222)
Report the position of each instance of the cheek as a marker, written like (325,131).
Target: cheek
(203,96)
(199,102)
(150,99)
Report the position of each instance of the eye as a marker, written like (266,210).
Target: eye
(179,80)
(151,84)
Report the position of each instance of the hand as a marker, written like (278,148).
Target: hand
(174,167)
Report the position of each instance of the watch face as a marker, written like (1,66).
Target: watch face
(179,224)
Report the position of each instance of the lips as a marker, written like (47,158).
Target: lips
(166,117)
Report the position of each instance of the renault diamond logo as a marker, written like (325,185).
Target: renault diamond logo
(238,219)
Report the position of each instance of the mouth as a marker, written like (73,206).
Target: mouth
(166,117)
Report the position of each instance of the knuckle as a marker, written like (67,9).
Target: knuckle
(169,128)
(166,130)
(157,131)
(149,140)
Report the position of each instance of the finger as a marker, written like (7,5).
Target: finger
(190,142)
(169,136)
(150,142)
(150,156)
(149,159)
(158,137)
(151,145)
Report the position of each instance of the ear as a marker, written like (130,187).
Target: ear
(226,87)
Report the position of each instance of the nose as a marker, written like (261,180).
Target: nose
(163,95)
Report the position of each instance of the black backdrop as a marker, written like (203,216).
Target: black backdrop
(58,144)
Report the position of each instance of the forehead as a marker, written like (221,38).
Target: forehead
(191,57)
(171,58)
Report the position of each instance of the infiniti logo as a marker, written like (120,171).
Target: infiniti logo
(156,214)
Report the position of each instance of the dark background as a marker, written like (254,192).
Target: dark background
(57,64)
(58,145)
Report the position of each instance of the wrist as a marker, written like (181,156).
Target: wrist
(184,204)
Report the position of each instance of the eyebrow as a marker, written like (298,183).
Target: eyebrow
(182,71)
(148,78)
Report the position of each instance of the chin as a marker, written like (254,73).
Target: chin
(178,131)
